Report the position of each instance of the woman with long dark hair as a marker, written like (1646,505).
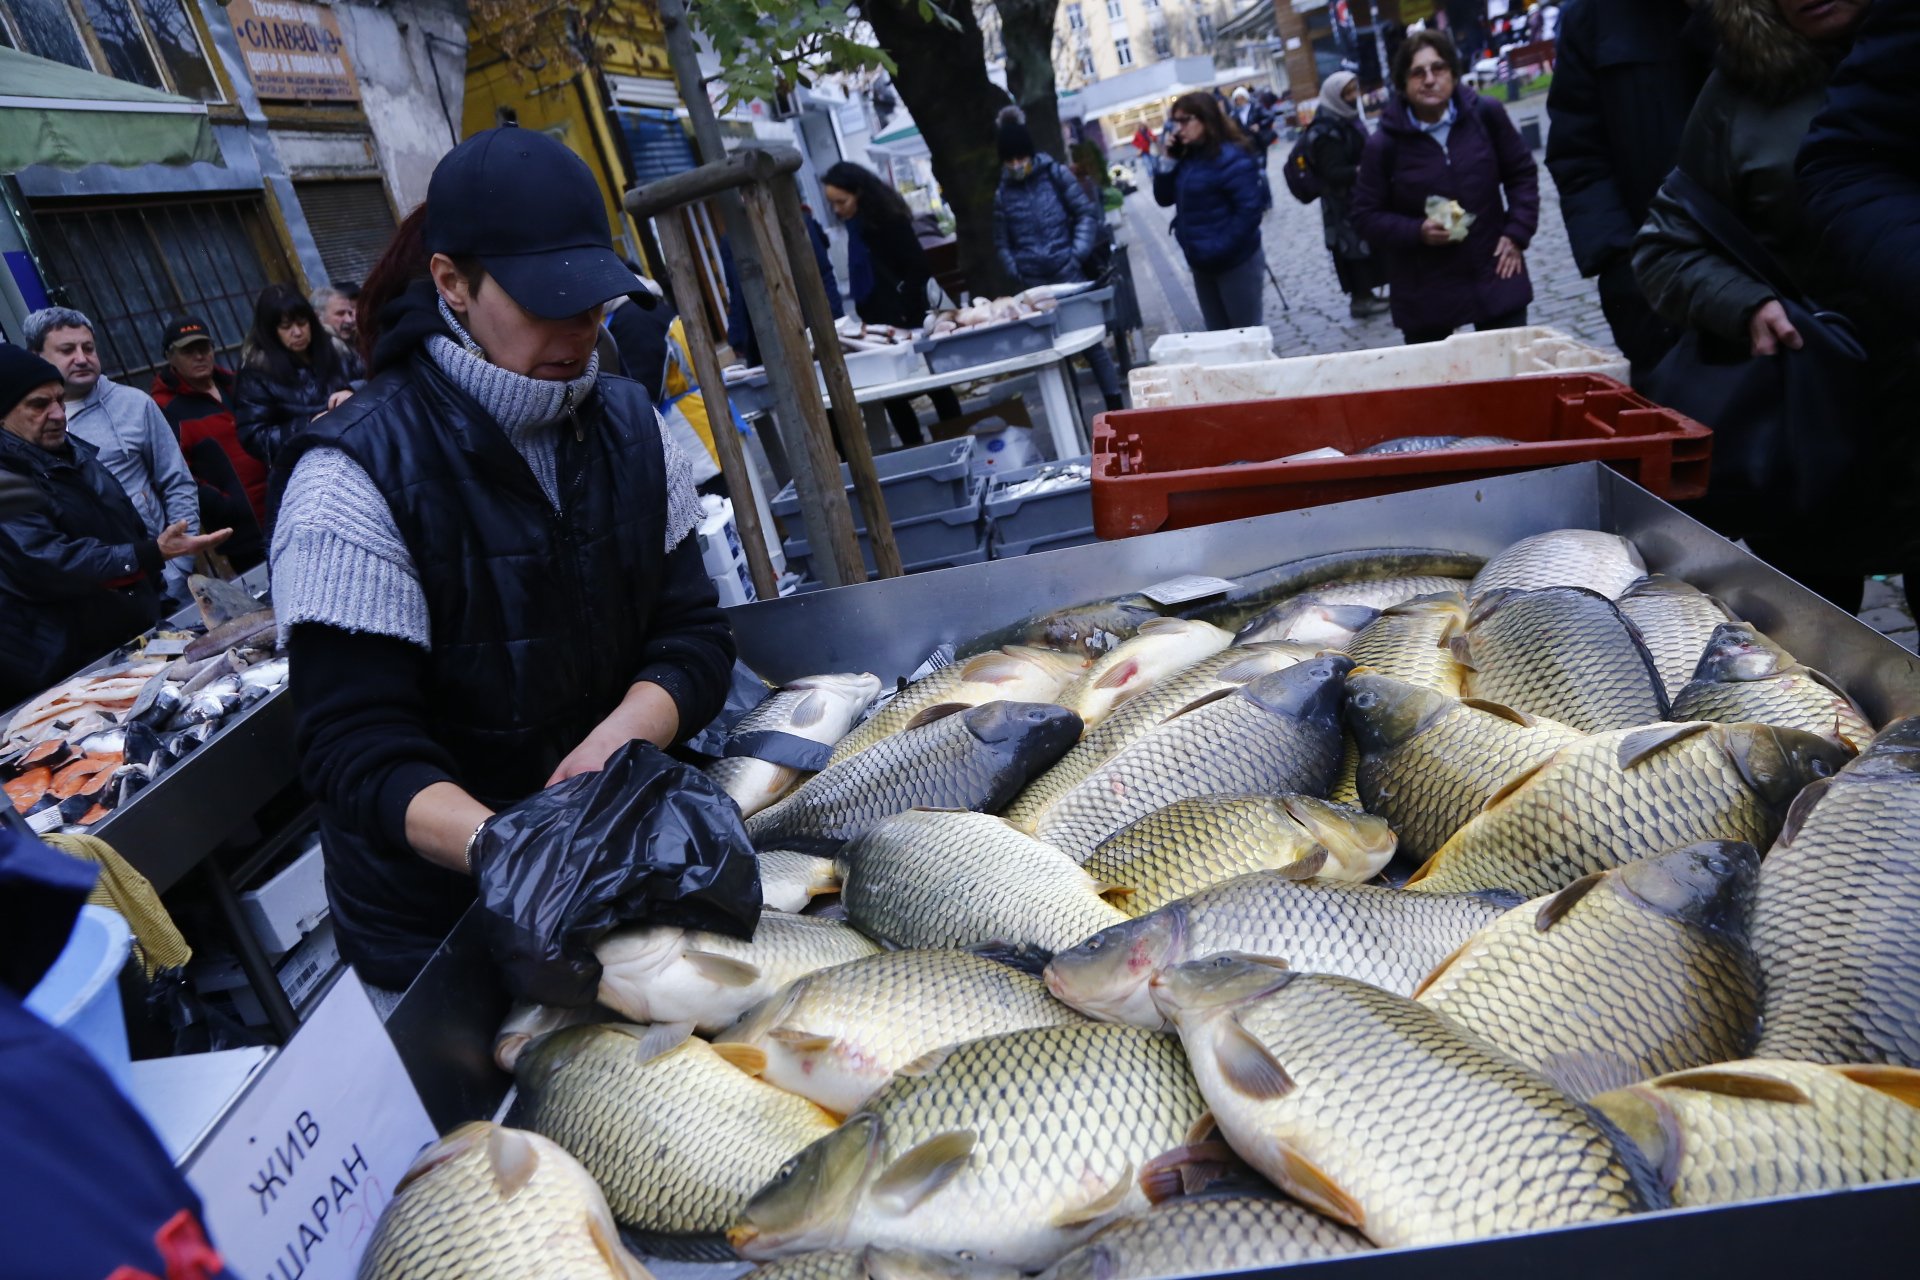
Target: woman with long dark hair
(291,372)
(887,270)
(1219,193)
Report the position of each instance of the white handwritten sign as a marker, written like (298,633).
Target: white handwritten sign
(297,1174)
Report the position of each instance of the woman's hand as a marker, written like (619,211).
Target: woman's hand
(175,541)
(1508,261)
(646,712)
(1770,330)
(1433,232)
(338,398)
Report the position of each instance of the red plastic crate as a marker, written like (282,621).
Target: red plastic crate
(1181,466)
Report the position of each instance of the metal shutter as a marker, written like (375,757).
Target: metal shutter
(657,143)
(351,221)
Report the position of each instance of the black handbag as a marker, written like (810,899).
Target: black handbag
(1788,428)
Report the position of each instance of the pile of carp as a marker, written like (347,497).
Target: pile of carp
(1392,899)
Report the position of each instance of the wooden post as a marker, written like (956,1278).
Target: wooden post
(734,463)
(848,424)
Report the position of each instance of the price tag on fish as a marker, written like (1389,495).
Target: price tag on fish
(1187,587)
(296,1175)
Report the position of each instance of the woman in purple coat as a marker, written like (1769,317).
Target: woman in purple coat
(1440,138)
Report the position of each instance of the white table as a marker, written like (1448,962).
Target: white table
(1070,438)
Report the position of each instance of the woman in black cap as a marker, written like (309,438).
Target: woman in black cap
(482,559)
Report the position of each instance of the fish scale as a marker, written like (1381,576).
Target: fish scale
(1229,668)
(491,1201)
(1491,1148)
(1280,733)
(1191,844)
(838,1035)
(1384,593)
(1582,811)
(1061,1120)
(1847,1126)
(818,708)
(1561,652)
(1433,762)
(1208,1234)
(1837,919)
(933,879)
(1383,936)
(1676,619)
(1409,642)
(1005,675)
(1794,699)
(677,1140)
(1597,987)
(1602,562)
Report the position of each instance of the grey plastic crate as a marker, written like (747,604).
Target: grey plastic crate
(988,343)
(975,554)
(1043,516)
(923,540)
(750,395)
(1083,310)
(1053,542)
(921,481)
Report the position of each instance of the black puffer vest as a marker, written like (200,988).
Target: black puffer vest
(538,617)
(47,635)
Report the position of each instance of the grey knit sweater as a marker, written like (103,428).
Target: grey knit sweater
(338,557)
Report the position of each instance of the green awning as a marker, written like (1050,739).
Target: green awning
(58,115)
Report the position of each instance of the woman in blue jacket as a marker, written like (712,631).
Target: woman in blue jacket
(1219,195)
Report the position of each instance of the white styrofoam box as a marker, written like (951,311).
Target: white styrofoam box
(720,551)
(883,364)
(758,469)
(1220,346)
(304,972)
(1531,352)
(1004,449)
(289,906)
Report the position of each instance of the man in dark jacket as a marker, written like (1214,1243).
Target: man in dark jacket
(78,573)
(1626,77)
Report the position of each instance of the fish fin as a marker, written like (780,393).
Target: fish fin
(1502,710)
(1203,700)
(656,1040)
(1021,957)
(1734,1083)
(938,711)
(1202,1128)
(1441,968)
(800,1041)
(454,1144)
(1555,909)
(923,1169)
(1461,647)
(1117,675)
(1305,1181)
(761,1018)
(1113,891)
(744,1057)
(1649,1123)
(606,1242)
(1154,625)
(1643,744)
(1241,670)
(1305,868)
(513,1159)
(1902,1083)
(724,971)
(1249,1066)
(1513,784)
(1104,1205)
(926,1063)
(809,711)
(1797,811)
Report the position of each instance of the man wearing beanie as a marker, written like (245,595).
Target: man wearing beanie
(1045,228)
(78,572)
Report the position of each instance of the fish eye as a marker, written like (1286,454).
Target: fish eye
(1095,943)
(1363,700)
(1821,768)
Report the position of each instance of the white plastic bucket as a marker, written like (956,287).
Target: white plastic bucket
(81,993)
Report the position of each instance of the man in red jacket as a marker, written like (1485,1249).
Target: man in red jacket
(196,395)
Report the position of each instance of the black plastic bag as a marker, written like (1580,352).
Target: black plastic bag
(645,840)
(745,691)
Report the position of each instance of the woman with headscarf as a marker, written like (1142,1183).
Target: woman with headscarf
(1335,141)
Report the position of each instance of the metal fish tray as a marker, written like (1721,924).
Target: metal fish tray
(446,1022)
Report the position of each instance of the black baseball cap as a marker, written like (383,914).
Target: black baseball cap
(182,331)
(529,210)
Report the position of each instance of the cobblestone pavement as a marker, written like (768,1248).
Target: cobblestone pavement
(1315,320)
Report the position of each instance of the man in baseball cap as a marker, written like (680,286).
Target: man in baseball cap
(530,212)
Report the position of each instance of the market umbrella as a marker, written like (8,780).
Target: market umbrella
(58,115)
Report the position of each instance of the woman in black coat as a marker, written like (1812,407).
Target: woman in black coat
(291,372)
(887,270)
(1335,142)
